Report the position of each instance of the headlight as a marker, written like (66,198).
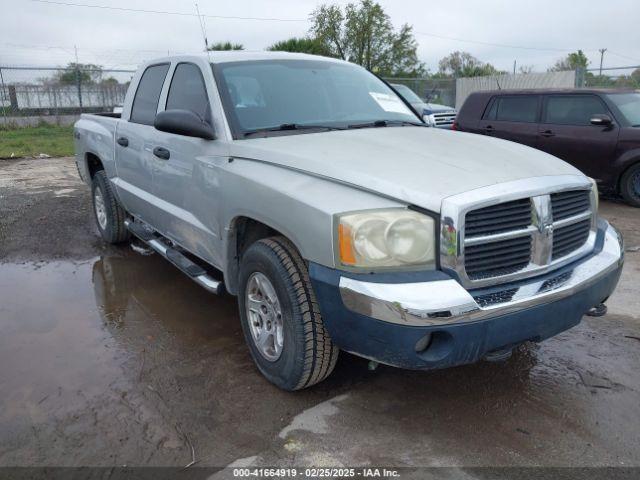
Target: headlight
(386,238)
(595,194)
(427,120)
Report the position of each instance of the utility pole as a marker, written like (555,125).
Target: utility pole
(602,50)
(514,66)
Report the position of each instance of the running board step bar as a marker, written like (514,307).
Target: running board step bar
(190,268)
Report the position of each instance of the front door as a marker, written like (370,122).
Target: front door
(181,169)
(566,132)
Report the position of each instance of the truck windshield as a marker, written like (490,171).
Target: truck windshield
(629,105)
(264,95)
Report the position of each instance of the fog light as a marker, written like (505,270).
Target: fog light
(423,343)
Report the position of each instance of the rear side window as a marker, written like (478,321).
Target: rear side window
(145,103)
(521,108)
(573,109)
(188,92)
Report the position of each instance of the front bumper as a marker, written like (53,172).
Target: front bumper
(391,318)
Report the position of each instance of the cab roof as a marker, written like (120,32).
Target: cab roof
(227,56)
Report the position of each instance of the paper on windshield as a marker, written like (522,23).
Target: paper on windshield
(390,103)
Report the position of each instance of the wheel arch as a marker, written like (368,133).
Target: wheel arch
(626,166)
(243,231)
(93,163)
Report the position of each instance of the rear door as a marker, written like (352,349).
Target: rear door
(180,180)
(135,171)
(567,133)
(512,117)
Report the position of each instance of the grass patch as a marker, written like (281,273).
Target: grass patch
(54,140)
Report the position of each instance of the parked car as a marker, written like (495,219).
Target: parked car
(306,187)
(433,114)
(597,131)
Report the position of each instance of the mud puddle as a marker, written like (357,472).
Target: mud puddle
(121,360)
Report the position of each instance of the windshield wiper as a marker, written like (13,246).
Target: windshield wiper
(386,123)
(291,126)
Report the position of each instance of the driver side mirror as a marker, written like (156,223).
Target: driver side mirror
(601,120)
(183,122)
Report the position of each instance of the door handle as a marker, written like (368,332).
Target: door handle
(162,153)
(489,129)
(547,133)
(123,141)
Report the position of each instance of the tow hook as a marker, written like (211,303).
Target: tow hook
(597,311)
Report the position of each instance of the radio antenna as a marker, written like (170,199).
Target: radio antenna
(204,30)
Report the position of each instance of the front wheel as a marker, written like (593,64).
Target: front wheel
(280,317)
(630,185)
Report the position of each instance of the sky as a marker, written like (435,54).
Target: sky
(45,33)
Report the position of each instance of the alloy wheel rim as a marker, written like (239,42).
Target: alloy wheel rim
(264,314)
(101,211)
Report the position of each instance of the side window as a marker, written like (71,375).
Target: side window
(572,109)
(145,103)
(187,91)
(520,108)
(490,113)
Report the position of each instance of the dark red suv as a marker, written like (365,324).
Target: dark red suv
(597,131)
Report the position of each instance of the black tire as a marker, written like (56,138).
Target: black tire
(113,231)
(308,354)
(630,185)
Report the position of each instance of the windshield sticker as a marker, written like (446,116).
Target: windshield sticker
(390,103)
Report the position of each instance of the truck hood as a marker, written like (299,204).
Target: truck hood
(429,108)
(416,165)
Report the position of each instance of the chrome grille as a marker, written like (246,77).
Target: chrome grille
(499,218)
(497,258)
(443,119)
(568,204)
(570,238)
(516,236)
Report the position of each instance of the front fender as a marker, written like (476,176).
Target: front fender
(299,206)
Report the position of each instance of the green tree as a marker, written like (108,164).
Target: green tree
(225,46)
(572,61)
(364,34)
(88,73)
(463,64)
(309,45)
(109,81)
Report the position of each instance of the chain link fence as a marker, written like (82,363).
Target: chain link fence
(614,77)
(453,91)
(30,96)
(435,90)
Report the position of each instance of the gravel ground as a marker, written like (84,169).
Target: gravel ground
(109,357)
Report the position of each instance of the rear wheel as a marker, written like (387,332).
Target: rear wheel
(280,317)
(630,185)
(108,212)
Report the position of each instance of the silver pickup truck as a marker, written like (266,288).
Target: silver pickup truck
(307,188)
